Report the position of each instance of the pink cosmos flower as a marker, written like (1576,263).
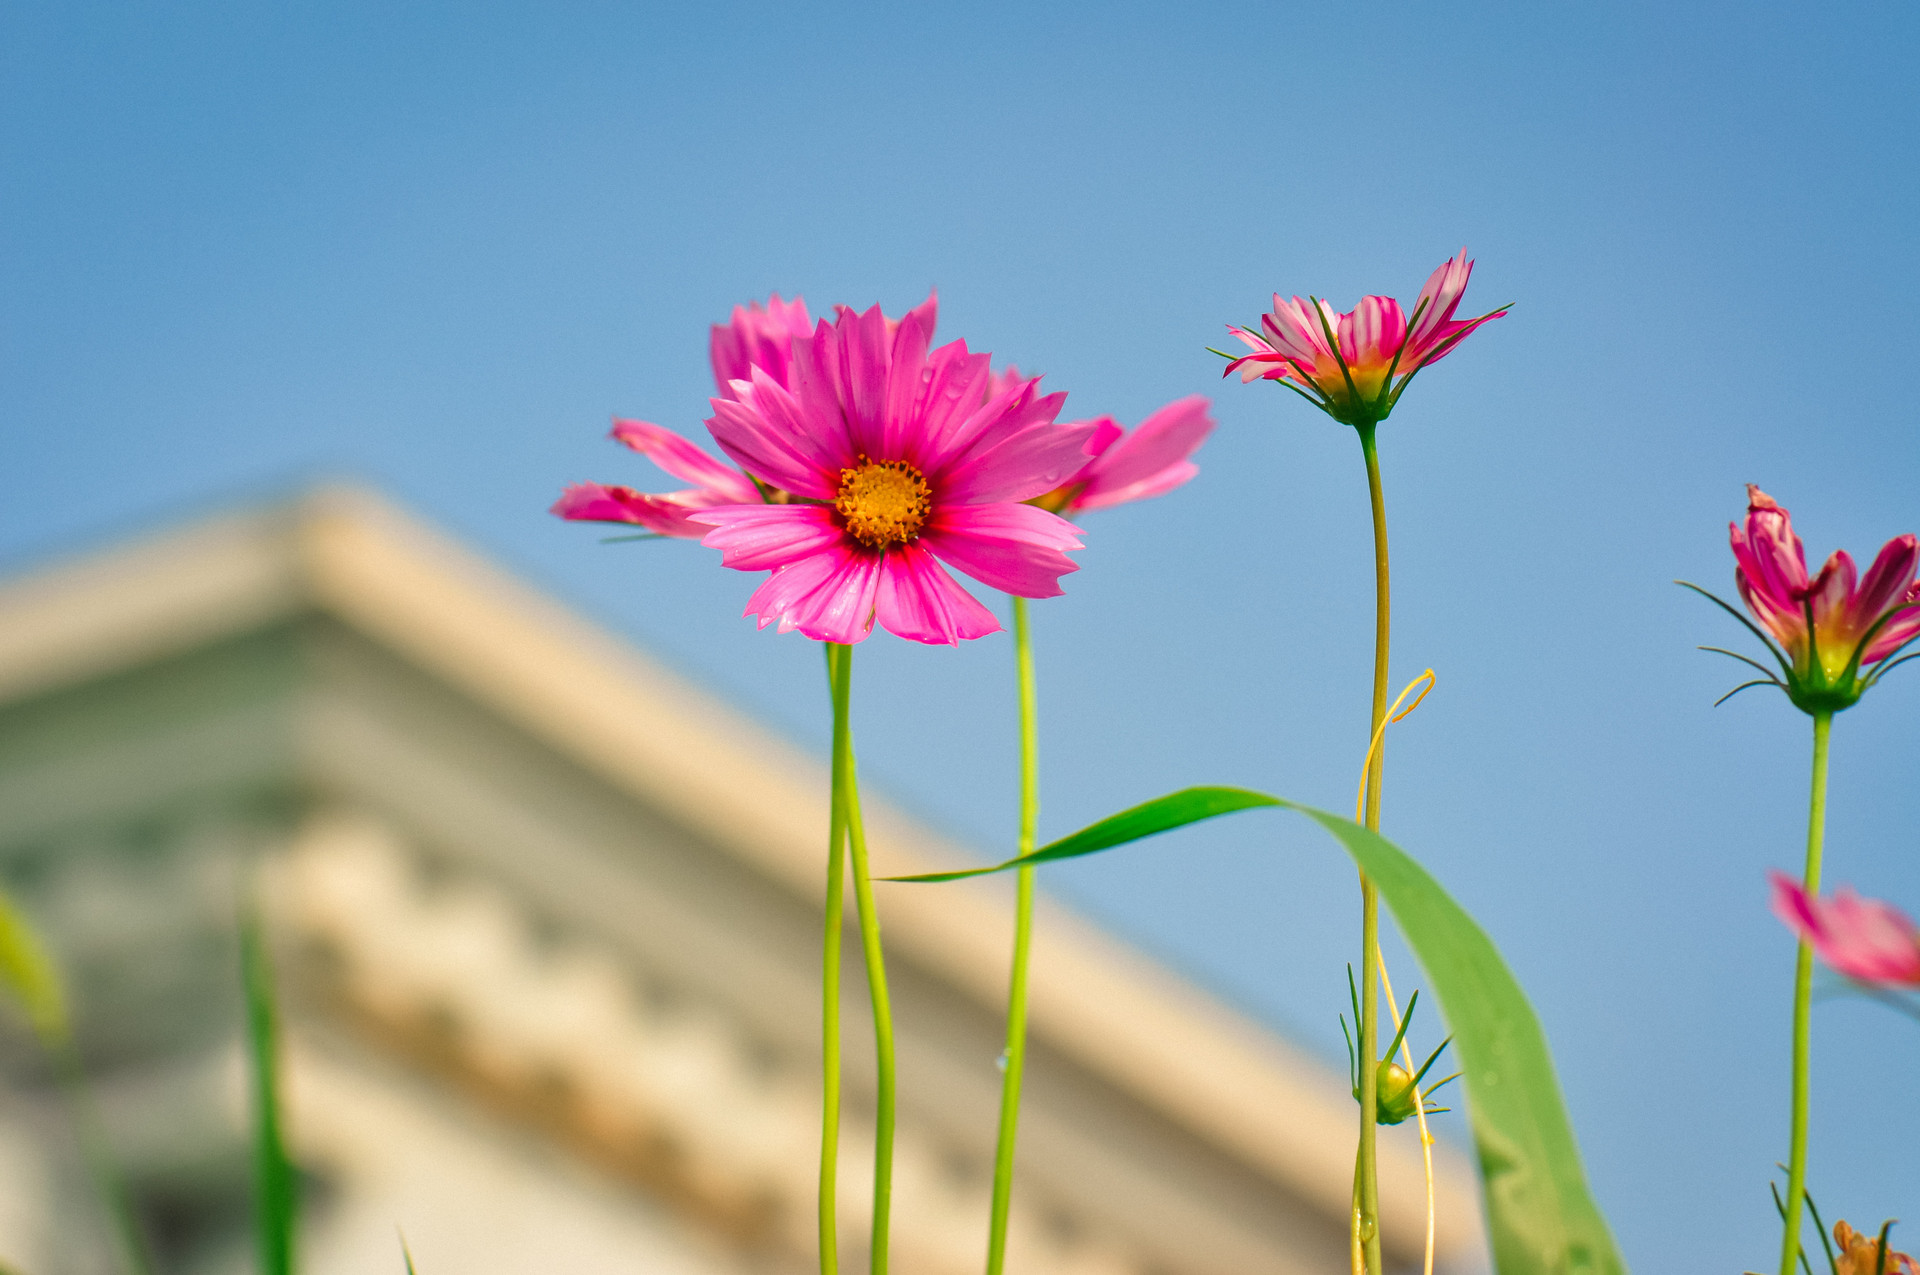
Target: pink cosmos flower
(1346,364)
(897,461)
(1150,461)
(755,336)
(1864,939)
(1828,627)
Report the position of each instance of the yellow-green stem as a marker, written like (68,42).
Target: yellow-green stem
(1803,1003)
(1366,1158)
(1015,1058)
(835,921)
(847,784)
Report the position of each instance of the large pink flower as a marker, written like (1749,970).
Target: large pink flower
(897,462)
(1354,366)
(755,336)
(1864,939)
(1126,466)
(1829,627)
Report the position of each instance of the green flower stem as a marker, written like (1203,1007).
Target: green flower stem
(1366,1159)
(1803,1003)
(846,785)
(1016,1055)
(835,921)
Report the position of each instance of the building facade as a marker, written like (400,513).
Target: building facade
(546,925)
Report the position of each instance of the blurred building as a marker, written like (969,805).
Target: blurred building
(546,924)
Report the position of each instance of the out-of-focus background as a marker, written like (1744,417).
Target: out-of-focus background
(434,249)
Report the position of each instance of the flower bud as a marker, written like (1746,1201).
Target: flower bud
(1395,1100)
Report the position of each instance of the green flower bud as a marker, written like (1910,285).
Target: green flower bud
(1395,1097)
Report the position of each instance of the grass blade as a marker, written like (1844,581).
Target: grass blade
(276,1189)
(1541,1217)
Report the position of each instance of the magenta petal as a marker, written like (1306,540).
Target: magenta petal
(1863,939)
(1897,632)
(918,600)
(763,432)
(1028,464)
(1151,460)
(684,460)
(1015,548)
(1889,578)
(829,597)
(1378,327)
(595,502)
(764,537)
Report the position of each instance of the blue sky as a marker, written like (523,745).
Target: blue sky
(434,247)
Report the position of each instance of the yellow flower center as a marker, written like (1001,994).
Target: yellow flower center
(883,503)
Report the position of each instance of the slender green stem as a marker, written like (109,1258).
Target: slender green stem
(97,1153)
(835,921)
(1366,1158)
(1803,1003)
(1015,1059)
(846,782)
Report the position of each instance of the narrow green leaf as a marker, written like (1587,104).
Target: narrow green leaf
(1541,1217)
(28,973)
(276,1189)
(1162,814)
(406,1253)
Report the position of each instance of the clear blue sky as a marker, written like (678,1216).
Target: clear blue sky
(436,246)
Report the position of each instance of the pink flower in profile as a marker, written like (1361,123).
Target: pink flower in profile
(1150,461)
(1355,366)
(898,461)
(755,336)
(1864,939)
(1828,627)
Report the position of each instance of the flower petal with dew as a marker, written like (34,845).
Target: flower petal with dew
(1355,366)
(1830,626)
(900,459)
(1864,939)
(1148,461)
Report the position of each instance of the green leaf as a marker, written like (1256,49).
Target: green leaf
(1541,1217)
(276,1187)
(406,1253)
(1162,814)
(28,973)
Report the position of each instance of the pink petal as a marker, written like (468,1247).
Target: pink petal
(765,537)
(1442,343)
(1831,599)
(918,600)
(1889,579)
(757,338)
(594,502)
(1012,547)
(1377,327)
(829,597)
(1769,554)
(767,433)
(1149,461)
(1441,297)
(1863,939)
(684,460)
(1030,463)
(1900,630)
